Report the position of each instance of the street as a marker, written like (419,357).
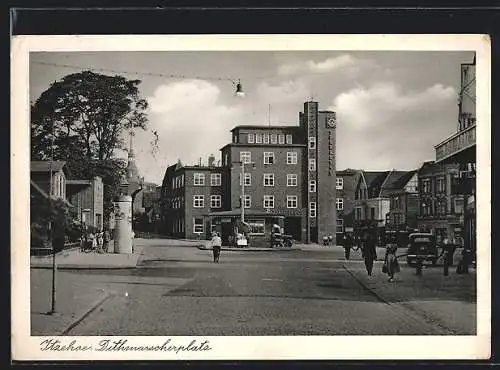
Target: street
(178,290)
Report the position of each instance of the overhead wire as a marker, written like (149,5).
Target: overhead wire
(152,74)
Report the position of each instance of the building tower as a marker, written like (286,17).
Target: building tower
(320,128)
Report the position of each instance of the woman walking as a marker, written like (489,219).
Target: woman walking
(216,246)
(391,265)
(369,253)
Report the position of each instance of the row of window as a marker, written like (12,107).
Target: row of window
(216,178)
(178,182)
(269,138)
(268,202)
(199,201)
(440,185)
(199,179)
(269,157)
(268,179)
(438,208)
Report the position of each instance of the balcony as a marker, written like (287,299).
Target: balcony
(456,144)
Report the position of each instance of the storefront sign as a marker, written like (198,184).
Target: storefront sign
(331,155)
(285,212)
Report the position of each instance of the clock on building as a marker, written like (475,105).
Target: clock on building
(331,122)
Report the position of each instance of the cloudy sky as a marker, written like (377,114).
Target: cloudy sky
(392,107)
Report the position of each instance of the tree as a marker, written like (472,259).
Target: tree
(81,119)
(85,114)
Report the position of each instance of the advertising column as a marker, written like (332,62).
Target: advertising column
(123,225)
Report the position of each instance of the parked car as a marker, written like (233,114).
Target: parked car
(422,246)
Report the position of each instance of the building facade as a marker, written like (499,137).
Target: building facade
(278,174)
(404,203)
(345,186)
(87,196)
(441,206)
(459,149)
(189,194)
(372,203)
(43,173)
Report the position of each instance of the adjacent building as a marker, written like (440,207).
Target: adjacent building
(440,206)
(345,186)
(403,202)
(87,196)
(459,149)
(375,192)
(269,175)
(43,173)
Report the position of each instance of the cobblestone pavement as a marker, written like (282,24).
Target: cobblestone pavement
(178,290)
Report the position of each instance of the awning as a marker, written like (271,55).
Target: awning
(236,213)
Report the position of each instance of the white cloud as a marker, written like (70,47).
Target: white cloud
(384,127)
(190,122)
(324,66)
(361,108)
(293,91)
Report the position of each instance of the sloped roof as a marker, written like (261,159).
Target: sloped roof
(39,189)
(347,171)
(396,181)
(44,166)
(401,182)
(45,195)
(374,178)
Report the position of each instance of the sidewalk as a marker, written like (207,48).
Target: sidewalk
(75,259)
(75,300)
(448,301)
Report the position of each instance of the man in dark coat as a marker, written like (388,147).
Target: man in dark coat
(347,244)
(369,253)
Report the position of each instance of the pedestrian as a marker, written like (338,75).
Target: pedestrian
(447,252)
(93,241)
(369,253)
(347,244)
(466,260)
(391,265)
(216,246)
(100,242)
(106,240)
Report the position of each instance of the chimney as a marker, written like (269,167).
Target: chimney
(211,160)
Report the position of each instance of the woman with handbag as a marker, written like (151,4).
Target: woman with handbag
(391,265)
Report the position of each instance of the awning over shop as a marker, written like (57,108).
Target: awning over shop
(248,213)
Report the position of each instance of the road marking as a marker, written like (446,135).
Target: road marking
(269,279)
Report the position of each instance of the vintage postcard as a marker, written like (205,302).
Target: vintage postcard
(250,197)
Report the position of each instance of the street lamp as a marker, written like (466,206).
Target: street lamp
(51,230)
(239,89)
(242,197)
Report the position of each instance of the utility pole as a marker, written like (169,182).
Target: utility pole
(242,192)
(51,229)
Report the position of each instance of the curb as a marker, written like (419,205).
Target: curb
(86,313)
(253,249)
(84,267)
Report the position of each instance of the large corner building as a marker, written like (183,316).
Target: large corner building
(279,174)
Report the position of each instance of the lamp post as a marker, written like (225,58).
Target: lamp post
(51,229)
(242,181)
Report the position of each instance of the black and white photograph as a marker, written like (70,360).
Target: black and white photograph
(281,199)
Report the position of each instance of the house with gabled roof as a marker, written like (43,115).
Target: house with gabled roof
(372,203)
(404,201)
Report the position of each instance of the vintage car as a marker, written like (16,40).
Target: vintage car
(421,246)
